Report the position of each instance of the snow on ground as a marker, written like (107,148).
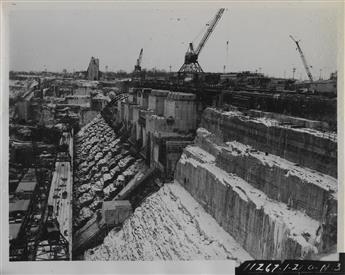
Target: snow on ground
(169,225)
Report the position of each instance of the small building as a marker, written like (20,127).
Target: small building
(18,208)
(116,212)
(25,189)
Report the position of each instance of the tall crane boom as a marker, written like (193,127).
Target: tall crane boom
(209,30)
(306,67)
(191,64)
(137,67)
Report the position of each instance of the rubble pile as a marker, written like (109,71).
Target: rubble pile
(169,225)
(277,206)
(102,168)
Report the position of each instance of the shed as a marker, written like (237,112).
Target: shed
(115,212)
(26,186)
(19,206)
(25,189)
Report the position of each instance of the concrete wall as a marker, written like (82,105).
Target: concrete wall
(182,108)
(87,116)
(143,98)
(156,101)
(78,99)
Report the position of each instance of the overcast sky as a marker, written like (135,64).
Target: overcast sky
(58,36)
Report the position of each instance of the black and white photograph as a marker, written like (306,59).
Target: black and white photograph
(171,132)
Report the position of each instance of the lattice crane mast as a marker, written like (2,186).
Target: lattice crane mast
(303,59)
(137,67)
(191,64)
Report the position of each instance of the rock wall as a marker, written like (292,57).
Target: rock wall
(275,208)
(307,147)
(279,178)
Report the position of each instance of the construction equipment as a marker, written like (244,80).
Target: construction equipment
(137,67)
(191,64)
(303,58)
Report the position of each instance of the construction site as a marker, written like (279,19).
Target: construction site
(191,165)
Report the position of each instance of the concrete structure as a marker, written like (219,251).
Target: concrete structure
(99,101)
(143,97)
(181,107)
(78,99)
(115,212)
(268,179)
(25,189)
(19,208)
(156,101)
(23,109)
(160,123)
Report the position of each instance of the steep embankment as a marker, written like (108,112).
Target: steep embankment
(103,166)
(276,208)
(169,225)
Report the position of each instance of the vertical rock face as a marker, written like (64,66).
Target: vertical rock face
(307,147)
(275,208)
(169,225)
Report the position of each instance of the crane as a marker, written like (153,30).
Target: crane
(303,58)
(191,64)
(137,67)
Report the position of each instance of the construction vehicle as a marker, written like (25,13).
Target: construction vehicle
(305,64)
(191,64)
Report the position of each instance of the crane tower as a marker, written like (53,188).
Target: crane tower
(191,64)
(305,64)
(137,67)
